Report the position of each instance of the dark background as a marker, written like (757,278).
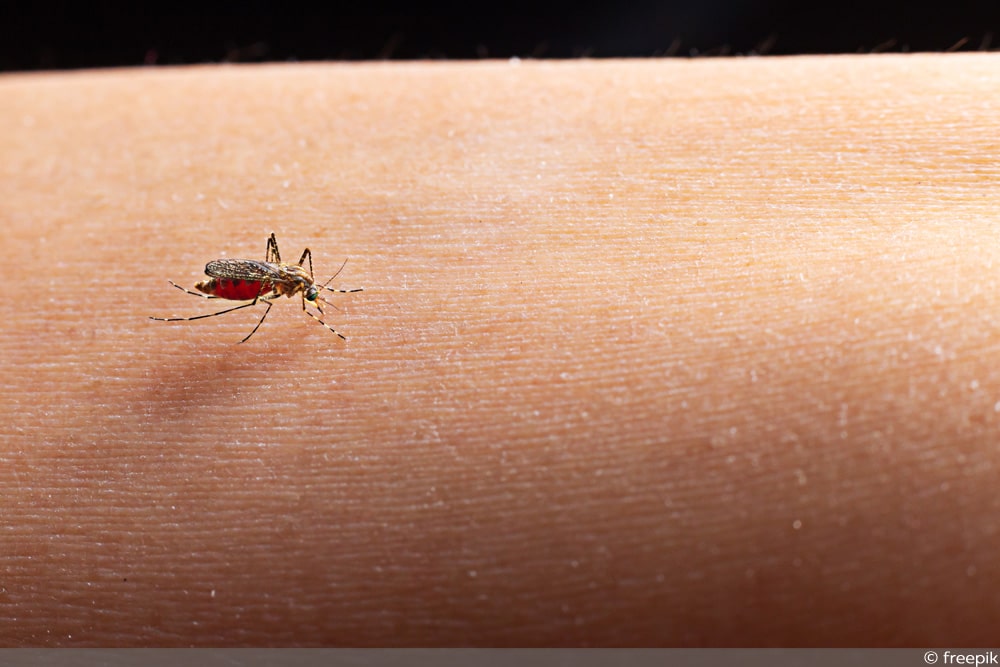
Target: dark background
(59,34)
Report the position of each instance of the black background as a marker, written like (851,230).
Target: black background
(59,34)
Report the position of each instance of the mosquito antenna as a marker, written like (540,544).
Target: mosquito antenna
(335,275)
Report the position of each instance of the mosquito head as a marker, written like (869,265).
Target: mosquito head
(311,294)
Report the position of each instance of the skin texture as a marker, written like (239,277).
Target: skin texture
(660,353)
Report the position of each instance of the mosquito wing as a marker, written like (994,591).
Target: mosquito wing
(243,269)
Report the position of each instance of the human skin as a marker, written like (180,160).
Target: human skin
(649,353)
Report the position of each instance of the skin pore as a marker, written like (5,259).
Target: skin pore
(649,353)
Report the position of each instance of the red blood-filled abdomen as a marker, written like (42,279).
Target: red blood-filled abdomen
(238,290)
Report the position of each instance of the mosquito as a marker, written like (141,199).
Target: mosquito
(261,282)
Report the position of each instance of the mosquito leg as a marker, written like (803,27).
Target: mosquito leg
(305,254)
(192,292)
(200,317)
(269,304)
(272,254)
(320,309)
(343,291)
(310,313)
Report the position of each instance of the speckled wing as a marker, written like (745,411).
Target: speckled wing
(243,269)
